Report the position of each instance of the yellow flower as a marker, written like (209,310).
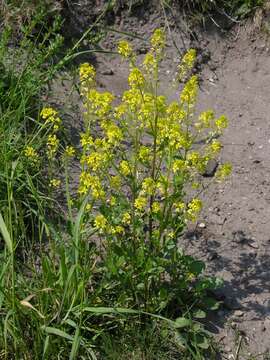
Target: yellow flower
(224,171)
(124,48)
(136,78)
(115,182)
(205,120)
(148,186)
(149,62)
(100,103)
(55,183)
(69,151)
(119,229)
(86,140)
(124,168)
(155,207)
(100,222)
(144,153)
(31,154)
(215,147)
(87,72)
(194,208)
(52,145)
(187,63)
(126,219)
(221,122)
(140,203)
(48,112)
(180,206)
(95,160)
(114,134)
(189,92)
(158,40)
(178,165)
(50,116)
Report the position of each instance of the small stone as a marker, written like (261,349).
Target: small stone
(240,114)
(202,225)
(211,168)
(239,313)
(108,72)
(212,256)
(142,50)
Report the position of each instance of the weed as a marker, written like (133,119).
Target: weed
(116,266)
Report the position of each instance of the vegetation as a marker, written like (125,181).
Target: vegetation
(106,277)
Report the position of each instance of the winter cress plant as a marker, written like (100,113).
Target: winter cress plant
(140,163)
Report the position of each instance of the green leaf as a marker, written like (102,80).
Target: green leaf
(211,303)
(199,314)
(201,341)
(6,234)
(197,267)
(75,345)
(182,322)
(54,331)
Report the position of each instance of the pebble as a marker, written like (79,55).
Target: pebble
(211,168)
(108,72)
(239,313)
(212,256)
(202,225)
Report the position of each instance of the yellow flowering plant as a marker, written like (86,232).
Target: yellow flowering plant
(139,164)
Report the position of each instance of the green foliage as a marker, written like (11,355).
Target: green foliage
(114,267)
(236,8)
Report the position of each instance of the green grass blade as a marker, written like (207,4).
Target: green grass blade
(6,235)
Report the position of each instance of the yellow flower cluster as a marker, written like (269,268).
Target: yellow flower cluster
(100,222)
(52,145)
(69,151)
(125,49)
(189,93)
(194,208)
(187,63)
(148,186)
(136,78)
(92,184)
(144,148)
(51,117)
(87,72)
(31,154)
(126,219)
(224,171)
(124,168)
(55,183)
(140,203)
(158,40)
(100,103)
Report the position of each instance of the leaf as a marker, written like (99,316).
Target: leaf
(27,304)
(199,314)
(54,331)
(196,267)
(75,345)
(6,234)
(201,341)
(211,303)
(182,322)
